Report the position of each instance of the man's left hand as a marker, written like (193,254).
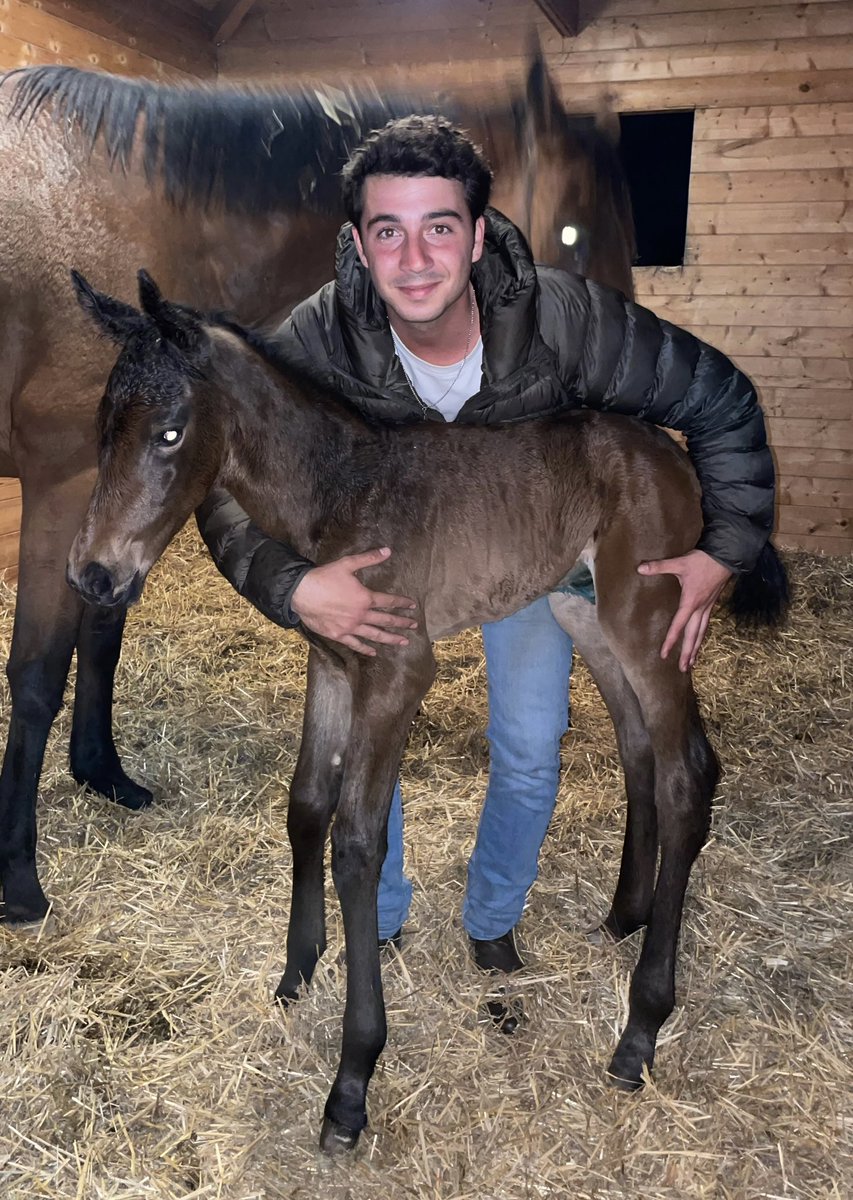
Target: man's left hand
(702,579)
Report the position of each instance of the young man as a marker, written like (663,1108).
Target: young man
(438,313)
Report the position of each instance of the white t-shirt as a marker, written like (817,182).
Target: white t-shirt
(431,383)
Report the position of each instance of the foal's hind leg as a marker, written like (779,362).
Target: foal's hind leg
(94,759)
(632,901)
(314,795)
(686,773)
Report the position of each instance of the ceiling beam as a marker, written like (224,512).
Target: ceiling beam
(227,18)
(563,15)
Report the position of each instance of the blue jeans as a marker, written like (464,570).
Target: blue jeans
(528,666)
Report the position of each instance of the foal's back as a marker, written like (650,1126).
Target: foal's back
(483,520)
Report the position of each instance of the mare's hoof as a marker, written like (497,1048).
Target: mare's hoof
(115,786)
(505,1015)
(337,1139)
(24,903)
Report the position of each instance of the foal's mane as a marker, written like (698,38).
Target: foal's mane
(270,350)
(248,149)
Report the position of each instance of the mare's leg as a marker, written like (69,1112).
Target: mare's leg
(314,795)
(634,615)
(94,759)
(632,901)
(385,700)
(47,617)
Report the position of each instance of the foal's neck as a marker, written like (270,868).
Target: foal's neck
(295,457)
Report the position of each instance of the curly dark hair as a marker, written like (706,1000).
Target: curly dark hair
(418,146)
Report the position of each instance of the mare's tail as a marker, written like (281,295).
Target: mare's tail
(763,596)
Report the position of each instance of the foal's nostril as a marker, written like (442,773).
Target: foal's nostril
(96,581)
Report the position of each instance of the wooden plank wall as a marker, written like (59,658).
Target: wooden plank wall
(769,259)
(112,37)
(116,36)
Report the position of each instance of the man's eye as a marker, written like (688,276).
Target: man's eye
(169,437)
(385,235)
(441,229)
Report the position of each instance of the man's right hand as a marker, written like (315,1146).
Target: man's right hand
(330,601)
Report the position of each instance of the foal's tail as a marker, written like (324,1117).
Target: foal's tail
(763,596)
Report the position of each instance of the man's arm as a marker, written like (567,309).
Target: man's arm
(291,590)
(619,357)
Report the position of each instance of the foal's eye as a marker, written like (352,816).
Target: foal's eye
(169,437)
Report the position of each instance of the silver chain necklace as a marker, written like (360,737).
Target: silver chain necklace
(434,406)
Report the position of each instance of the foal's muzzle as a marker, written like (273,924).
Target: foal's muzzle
(97,585)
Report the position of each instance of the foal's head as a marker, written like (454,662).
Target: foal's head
(162,438)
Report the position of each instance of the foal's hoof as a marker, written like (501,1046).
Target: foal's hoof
(337,1139)
(115,786)
(286,995)
(600,935)
(610,932)
(626,1069)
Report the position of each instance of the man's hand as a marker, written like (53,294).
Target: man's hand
(702,579)
(332,602)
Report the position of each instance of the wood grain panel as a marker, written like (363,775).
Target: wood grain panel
(795,219)
(818,249)
(751,280)
(815,431)
(809,491)
(784,120)
(773,153)
(821,312)
(766,187)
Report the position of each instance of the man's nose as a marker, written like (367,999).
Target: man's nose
(415,256)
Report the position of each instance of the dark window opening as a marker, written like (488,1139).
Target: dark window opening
(655,151)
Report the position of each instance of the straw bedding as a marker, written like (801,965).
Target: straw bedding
(141,1053)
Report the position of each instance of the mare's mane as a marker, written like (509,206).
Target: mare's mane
(263,150)
(247,149)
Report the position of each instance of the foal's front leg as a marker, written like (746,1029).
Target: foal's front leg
(314,795)
(385,700)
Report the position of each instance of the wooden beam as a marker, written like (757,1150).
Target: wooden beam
(227,18)
(563,15)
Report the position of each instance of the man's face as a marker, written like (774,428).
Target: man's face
(418,241)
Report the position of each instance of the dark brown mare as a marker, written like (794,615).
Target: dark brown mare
(231,197)
(481,524)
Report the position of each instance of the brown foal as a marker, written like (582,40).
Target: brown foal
(482,521)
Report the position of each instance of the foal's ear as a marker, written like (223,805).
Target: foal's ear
(175,323)
(120,321)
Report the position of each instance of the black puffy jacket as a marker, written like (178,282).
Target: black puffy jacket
(550,341)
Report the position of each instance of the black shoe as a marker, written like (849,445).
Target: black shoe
(395,940)
(497,954)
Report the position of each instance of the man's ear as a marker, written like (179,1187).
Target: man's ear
(117,320)
(356,237)
(479,238)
